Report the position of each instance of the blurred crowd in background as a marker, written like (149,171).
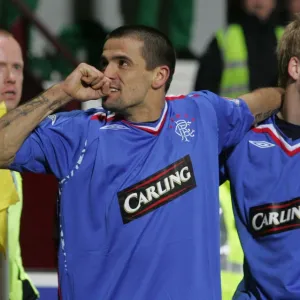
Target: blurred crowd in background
(83,34)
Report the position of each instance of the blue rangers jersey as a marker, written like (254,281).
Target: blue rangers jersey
(264,173)
(139,209)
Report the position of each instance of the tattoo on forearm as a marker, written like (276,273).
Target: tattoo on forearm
(262,116)
(55,105)
(23,110)
(31,106)
(4,123)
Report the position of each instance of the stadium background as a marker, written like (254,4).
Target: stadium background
(70,26)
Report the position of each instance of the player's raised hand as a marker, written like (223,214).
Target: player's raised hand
(86,83)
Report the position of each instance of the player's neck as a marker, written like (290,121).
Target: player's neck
(290,110)
(148,111)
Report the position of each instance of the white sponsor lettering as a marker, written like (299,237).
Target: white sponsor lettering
(135,201)
(276,218)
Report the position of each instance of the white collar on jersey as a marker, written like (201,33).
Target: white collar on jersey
(278,138)
(157,126)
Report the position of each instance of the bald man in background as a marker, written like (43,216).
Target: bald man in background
(11,80)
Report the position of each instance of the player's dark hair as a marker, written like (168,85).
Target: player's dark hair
(157,50)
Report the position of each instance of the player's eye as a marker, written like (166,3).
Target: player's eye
(123,63)
(18,67)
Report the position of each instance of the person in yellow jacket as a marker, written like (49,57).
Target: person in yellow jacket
(231,251)
(241,57)
(11,80)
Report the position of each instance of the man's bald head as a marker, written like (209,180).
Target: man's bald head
(11,70)
(4,33)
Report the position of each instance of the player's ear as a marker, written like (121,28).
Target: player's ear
(294,68)
(160,76)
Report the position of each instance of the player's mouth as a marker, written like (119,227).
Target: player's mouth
(113,94)
(114,90)
(9,94)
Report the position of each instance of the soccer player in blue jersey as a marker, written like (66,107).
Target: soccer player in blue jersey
(139,209)
(264,171)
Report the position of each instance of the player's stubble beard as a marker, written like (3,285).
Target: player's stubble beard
(119,106)
(114,105)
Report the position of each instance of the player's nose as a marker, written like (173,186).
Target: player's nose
(110,71)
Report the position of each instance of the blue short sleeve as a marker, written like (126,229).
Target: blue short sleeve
(54,146)
(233,117)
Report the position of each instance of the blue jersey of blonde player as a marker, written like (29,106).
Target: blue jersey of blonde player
(139,210)
(264,174)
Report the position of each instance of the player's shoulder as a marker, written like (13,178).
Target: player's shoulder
(189,96)
(80,117)
(255,136)
(265,127)
(204,103)
(198,97)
